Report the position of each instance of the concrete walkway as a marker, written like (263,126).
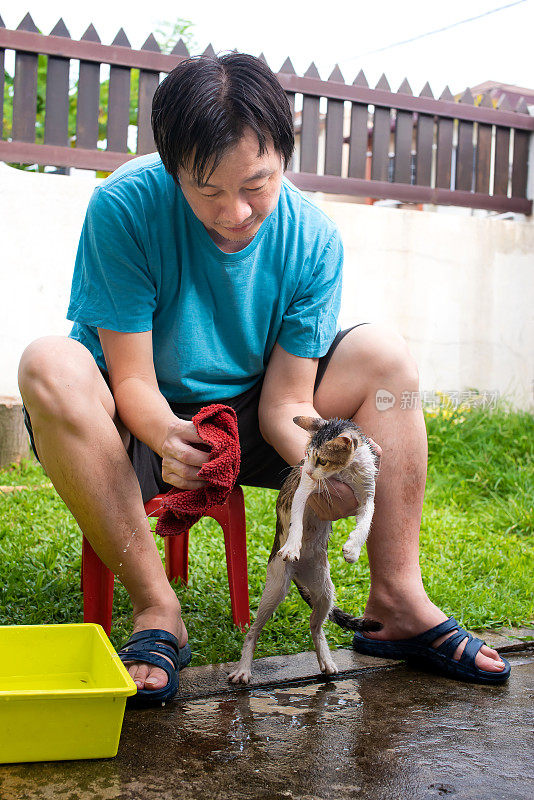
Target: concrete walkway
(379,731)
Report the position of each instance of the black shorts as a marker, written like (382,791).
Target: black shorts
(260,463)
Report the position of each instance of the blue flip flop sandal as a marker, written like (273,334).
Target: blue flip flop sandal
(418,651)
(144,646)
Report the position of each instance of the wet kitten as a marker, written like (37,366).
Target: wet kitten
(336,449)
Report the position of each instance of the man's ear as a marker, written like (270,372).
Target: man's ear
(310,424)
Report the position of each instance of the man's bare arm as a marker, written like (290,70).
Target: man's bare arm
(287,392)
(145,411)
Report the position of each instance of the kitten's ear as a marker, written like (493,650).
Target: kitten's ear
(310,424)
(344,442)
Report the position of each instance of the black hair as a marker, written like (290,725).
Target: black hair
(201,109)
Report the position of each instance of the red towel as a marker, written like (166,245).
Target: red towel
(217,426)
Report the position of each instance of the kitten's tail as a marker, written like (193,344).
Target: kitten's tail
(351,623)
(341,618)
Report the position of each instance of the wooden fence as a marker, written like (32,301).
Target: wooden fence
(352,139)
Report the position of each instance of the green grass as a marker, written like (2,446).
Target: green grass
(477,549)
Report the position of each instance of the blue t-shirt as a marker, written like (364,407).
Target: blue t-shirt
(146,262)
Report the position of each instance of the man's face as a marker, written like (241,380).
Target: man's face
(239,194)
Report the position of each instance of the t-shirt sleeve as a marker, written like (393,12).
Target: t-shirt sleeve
(309,324)
(112,287)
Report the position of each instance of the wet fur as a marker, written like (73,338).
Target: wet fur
(300,549)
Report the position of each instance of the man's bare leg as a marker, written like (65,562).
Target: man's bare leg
(367,359)
(76,431)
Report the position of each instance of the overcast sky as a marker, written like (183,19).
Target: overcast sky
(495,47)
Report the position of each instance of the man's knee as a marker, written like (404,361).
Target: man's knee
(54,372)
(385,356)
(388,356)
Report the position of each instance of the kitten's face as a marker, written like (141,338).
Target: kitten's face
(331,446)
(329,458)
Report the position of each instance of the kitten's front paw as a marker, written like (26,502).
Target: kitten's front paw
(289,553)
(351,554)
(240,676)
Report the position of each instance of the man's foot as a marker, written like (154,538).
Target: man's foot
(405,619)
(165,617)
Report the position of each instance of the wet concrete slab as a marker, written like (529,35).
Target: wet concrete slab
(507,640)
(381,733)
(275,670)
(281,670)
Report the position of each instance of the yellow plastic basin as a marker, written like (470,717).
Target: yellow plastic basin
(63,691)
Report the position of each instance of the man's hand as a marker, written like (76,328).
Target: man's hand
(183,454)
(337,500)
(377,450)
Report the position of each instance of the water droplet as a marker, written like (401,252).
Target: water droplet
(136,529)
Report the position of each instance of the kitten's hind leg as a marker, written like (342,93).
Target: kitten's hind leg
(276,588)
(321,607)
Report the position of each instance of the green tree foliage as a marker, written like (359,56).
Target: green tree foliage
(167,35)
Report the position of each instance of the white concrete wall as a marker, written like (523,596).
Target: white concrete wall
(460,289)
(40,222)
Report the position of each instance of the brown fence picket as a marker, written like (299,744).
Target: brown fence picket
(424,143)
(180,50)
(502,154)
(444,153)
(464,151)
(334,130)
(483,151)
(288,69)
(502,165)
(57,94)
(148,83)
(88,98)
(25,90)
(381,137)
(119,102)
(403,141)
(209,52)
(359,135)
(309,133)
(520,157)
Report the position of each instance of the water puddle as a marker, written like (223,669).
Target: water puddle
(299,705)
(264,723)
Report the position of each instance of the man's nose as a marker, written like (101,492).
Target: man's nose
(236,212)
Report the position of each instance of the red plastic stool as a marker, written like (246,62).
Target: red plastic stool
(97,580)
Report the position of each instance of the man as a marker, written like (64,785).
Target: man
(202,275)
